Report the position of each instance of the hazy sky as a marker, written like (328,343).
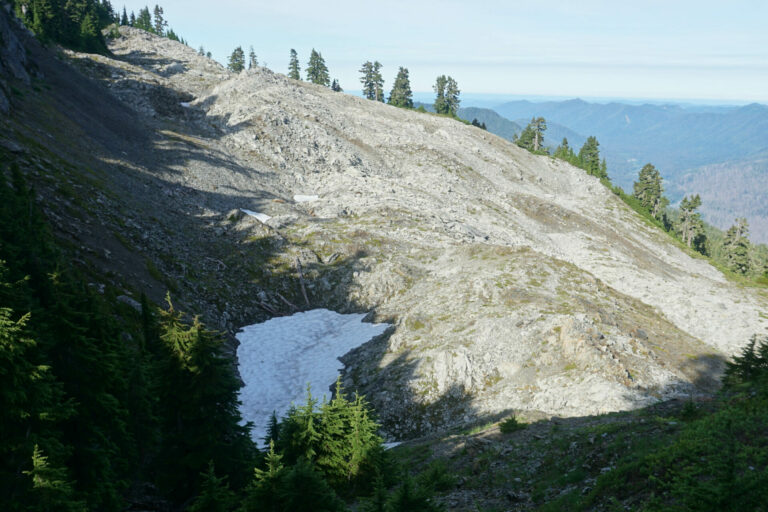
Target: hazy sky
(590,48)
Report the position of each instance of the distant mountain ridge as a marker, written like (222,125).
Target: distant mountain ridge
(683,142)
(507,129)
(674,138)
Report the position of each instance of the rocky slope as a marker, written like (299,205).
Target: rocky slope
(513,282)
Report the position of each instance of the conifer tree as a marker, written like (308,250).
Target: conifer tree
(736,246)
(160,23)
(215,494)
(237,60)
(273,429)
(293,66)
(317,72)
(589,156)
(691,225)
(252,60)
(401,95)
(31,402)
(205,425)
(378,499)
(440,105)
(50,488)
(532,137)
(335,86)
(299,436)
(446,95)
(565,152)
(410,498)
(648,189)
(201,51)
(373,82)
(124,17)
(452,96)
(303,489)
(144,20)
(262,493)
(133,19)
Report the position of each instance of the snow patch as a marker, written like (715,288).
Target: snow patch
(304,199)
(278,358)
(262,217)
(184,104)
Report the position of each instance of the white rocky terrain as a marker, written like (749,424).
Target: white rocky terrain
(513,282)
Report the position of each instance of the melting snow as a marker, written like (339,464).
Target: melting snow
(184,104)
(263,217)
(279,357)
(304,199)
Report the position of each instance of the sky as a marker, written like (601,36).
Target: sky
(671,49)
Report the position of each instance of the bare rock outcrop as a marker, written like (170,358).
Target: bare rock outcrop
(513,282)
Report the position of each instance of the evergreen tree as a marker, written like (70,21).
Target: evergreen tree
(452,96)
(124,17)
(50,488)
(201,51)
(205,425)
(262,492)
(649,191)
(236,60)
(589,156)
(410,498)
(532,137)
(215,494)
(373,82)
(293,66)
(299,436)
(378,499)
(335,86)
(303,489)
(603,169)
(737,246)
(133,20)
(565,152)
(691,225)
(440,105)
(252,60)
(401,95)
(446,96)
(31,403)
(144,20)
(317,72)
(273,429)
(160,22)
(74,24)
(170,34)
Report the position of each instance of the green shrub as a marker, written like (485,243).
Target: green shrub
(510,425)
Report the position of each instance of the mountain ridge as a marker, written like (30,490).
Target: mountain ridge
(512,281)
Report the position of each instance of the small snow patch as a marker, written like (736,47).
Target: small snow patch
(278,358)
(304,199)
(184,104)
(262,217)
(392,444)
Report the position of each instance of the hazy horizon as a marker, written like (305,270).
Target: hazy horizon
(594,49)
